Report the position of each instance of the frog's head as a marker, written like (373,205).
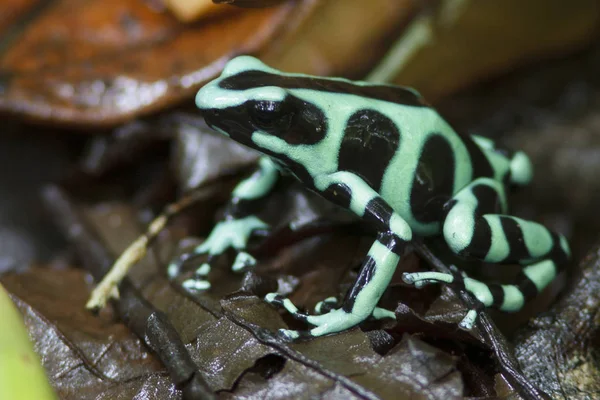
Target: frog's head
(254,105)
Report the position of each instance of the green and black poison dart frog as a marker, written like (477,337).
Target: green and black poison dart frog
(382,152)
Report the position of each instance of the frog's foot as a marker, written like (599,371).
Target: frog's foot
(333,321)
(232,233)
(243,262)
(487,295)
(200,281)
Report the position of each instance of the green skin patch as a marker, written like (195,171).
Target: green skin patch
(259,183)
(254,103)
(321,159)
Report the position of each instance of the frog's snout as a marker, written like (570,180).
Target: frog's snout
(206,96)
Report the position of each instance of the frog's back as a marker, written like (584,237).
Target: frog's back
(398,144)
(431,164)
(386,135)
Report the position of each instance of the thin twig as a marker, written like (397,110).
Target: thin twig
(150,325)
(137,250)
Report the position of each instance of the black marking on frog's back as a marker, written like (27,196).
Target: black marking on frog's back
(433,182)
(253,79)
(370,141)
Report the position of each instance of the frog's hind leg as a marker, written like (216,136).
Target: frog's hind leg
(476,227)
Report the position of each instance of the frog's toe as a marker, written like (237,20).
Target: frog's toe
(289,335)
(333,322)
(198,281)
(469,320)
(195,284)
(381,313)
(283,302)
(174,268)
(243,262)
(420,279)
(326,305)
(230,234)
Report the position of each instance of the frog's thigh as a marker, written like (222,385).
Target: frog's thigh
(467,231)
(472,229)
(476,227)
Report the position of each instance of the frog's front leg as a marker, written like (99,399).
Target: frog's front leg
(236,228)
(346,188)
(476,227)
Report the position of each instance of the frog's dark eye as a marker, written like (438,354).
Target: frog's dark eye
(266,114)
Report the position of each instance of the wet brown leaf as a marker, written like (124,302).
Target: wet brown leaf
(416,370)
(404,371)
(83,355)
(101,63)
(14,10)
